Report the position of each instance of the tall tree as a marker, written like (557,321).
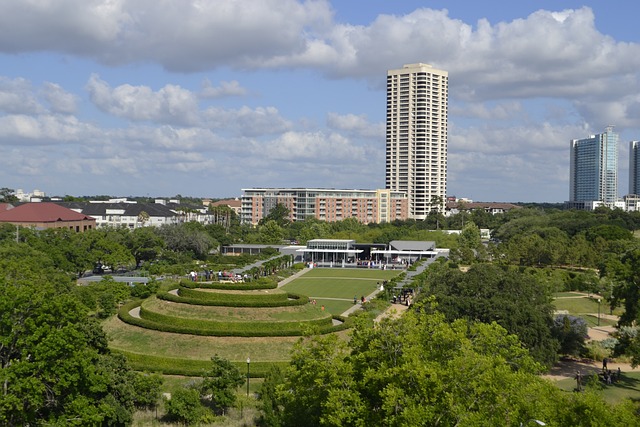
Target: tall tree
(421,370)
(55,367)
(279,213)
(488,293)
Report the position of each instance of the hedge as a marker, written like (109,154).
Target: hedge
(241,286)
(163,323)
(279,296)
(289,300)
(190,367)
(232,328)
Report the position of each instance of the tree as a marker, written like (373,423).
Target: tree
(55,367)
(421,370)
(148,390)
(279,213)
(488,293)
(7,195)
(185,406)
(220,383)
(270,233)
(144,244)
(571,332)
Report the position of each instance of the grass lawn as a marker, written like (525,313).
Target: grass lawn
(366,273)
(229,314)
(335,307)
(627,388)
(333,288)
(568,294)
(144,341)
(578,306)
(339,282)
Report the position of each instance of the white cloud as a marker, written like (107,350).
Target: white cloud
(246,121)
(17,97)
(170,104)
(60,100)
(357,125)
(231,88)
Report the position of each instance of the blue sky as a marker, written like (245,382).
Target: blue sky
(206,97)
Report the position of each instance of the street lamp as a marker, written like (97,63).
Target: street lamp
(540,423)
(248,362)
(599,311)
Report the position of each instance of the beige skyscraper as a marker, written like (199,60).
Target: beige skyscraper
(417,111)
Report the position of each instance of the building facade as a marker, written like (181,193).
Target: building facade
(416,136)
(634,167)
(594,169)
(367,206)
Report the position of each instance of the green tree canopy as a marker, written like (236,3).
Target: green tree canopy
(488,293)
(56,368)
(421,370)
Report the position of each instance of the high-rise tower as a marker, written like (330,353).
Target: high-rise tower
(594,169)
(417,111)
(634,167)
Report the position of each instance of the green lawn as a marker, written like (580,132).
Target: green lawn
(627,388)
(333,288)
(578,306)
(229,314)
(370,273)
(144,341)
(336,307)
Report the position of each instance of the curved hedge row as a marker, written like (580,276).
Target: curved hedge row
(190,367)
(233,328)
(243,286)
(289,300)
(163,323)
(223,298)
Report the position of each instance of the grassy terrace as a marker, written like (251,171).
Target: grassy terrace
(165,344)
(227,314)
(149,349)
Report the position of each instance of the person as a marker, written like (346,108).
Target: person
(355,299)
(604,364)
(579,380)
(322,308)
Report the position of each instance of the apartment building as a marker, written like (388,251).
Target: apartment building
(416,136)
(367,206)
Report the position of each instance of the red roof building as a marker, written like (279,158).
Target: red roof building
(47,215)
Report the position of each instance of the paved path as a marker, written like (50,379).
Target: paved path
(135,312)
(293,277)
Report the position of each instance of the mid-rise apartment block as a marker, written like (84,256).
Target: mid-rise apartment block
(594,171)
(416,136)
(367,206)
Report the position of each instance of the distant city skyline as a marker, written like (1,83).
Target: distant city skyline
(205,98)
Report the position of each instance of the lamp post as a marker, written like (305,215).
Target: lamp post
(248,362)
(599,311)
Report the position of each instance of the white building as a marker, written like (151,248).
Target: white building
(594,170)
(416,140)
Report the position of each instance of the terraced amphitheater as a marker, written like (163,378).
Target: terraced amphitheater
(177,332)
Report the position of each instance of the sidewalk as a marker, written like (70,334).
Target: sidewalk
(293,277)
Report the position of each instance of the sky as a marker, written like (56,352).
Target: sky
(203,98)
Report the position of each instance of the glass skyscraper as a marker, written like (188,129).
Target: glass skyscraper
(594,169)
